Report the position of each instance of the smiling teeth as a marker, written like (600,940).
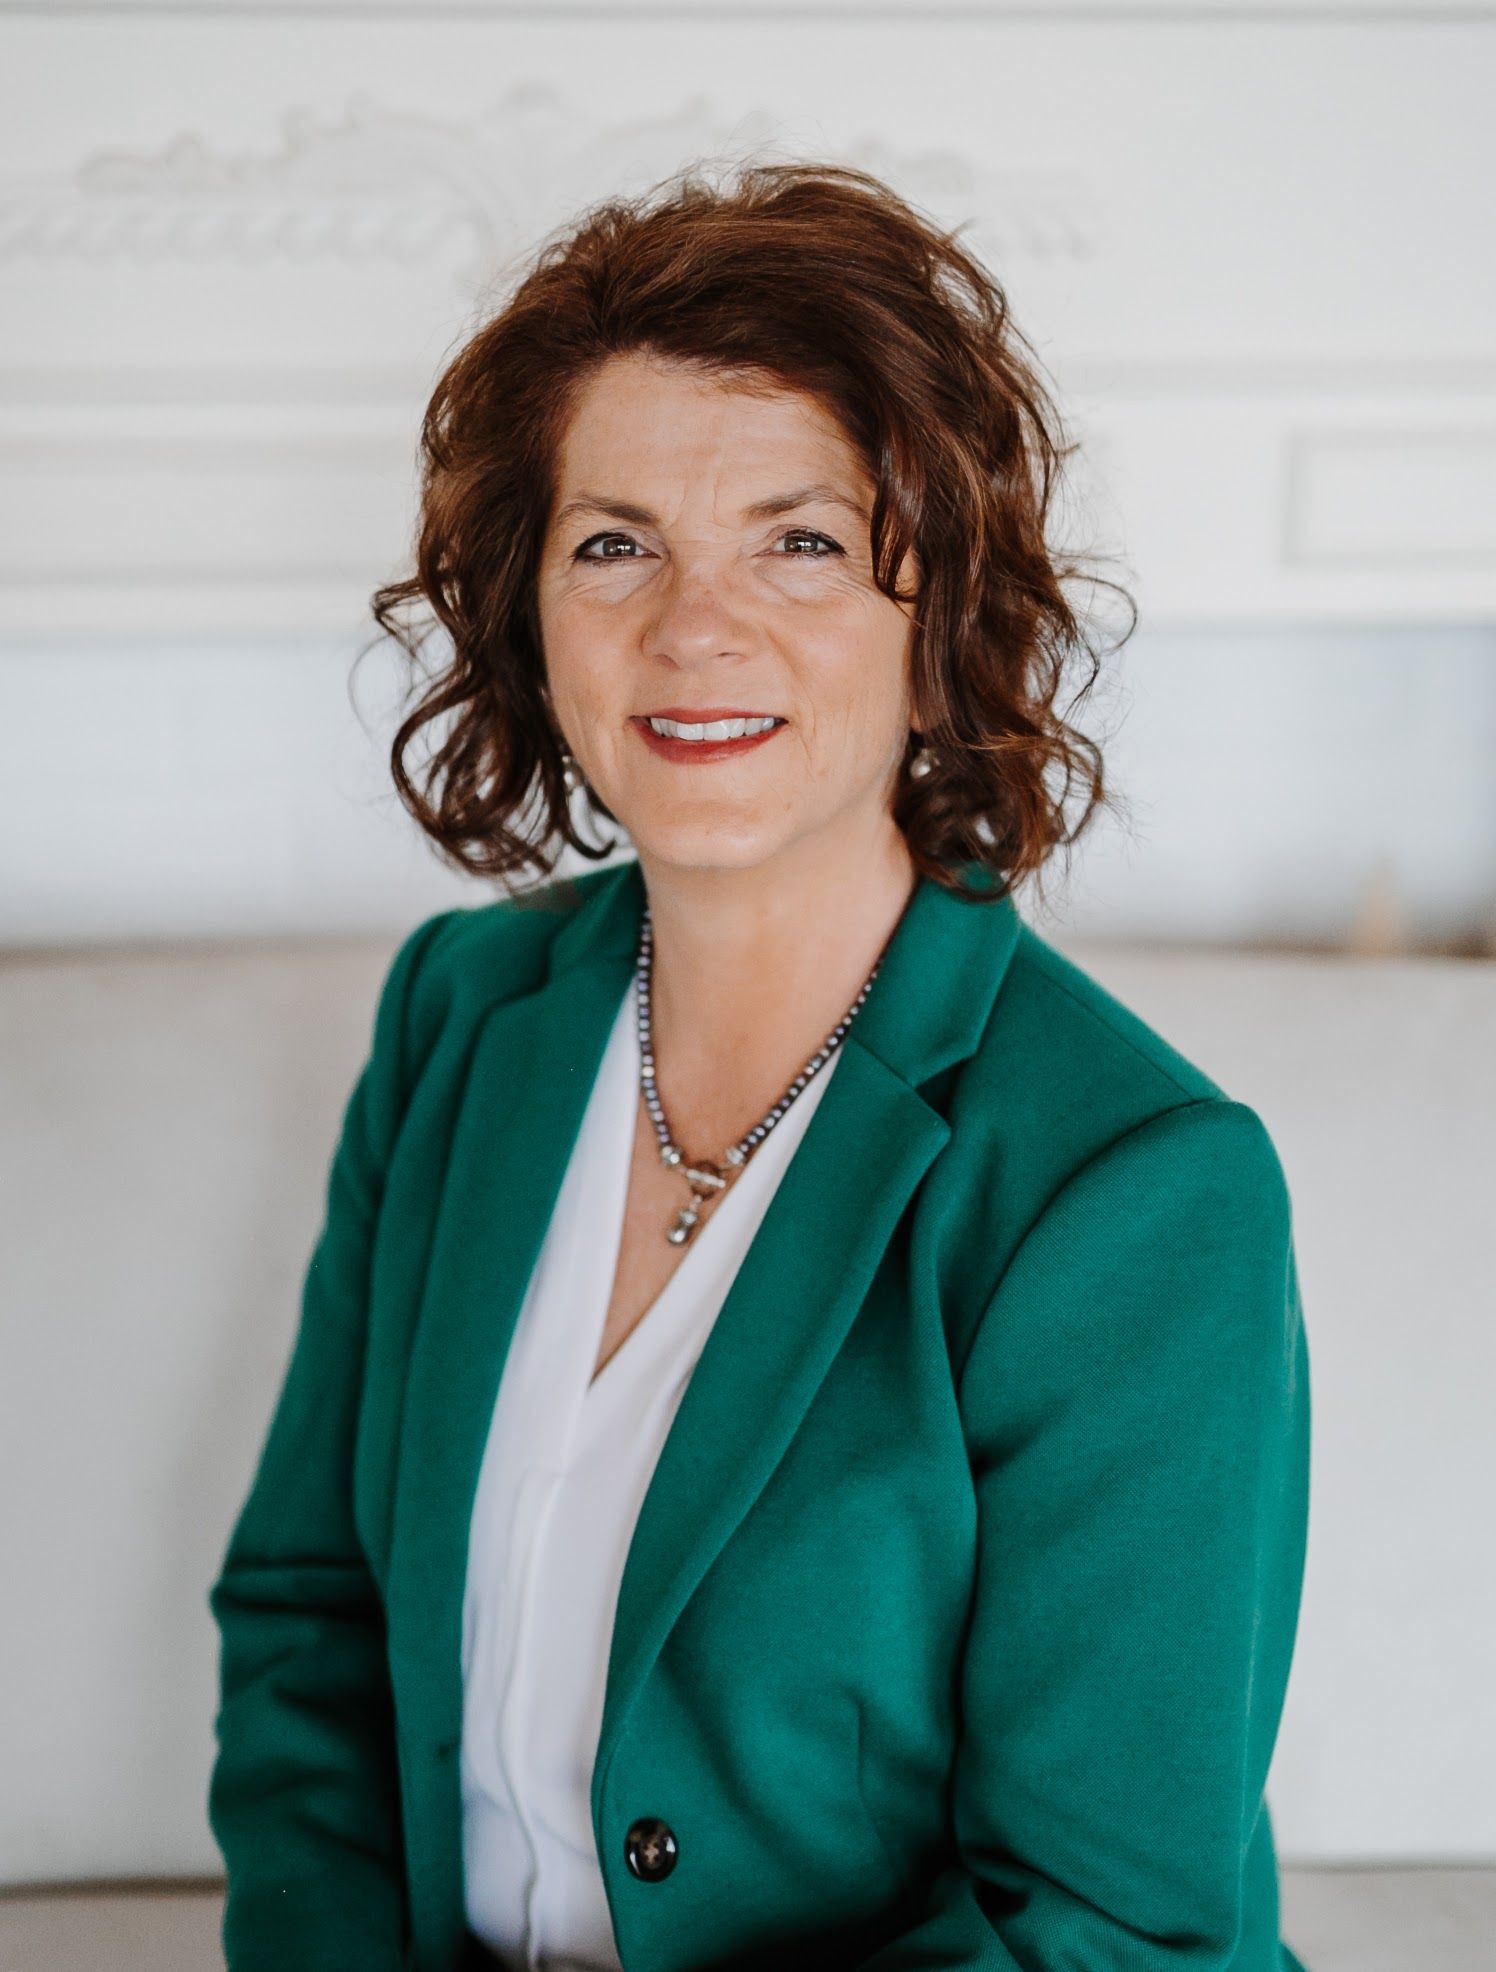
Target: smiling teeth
(714,729)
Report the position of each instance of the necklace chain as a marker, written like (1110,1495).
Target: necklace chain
(706,1179)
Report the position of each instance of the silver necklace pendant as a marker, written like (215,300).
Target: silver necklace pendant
(706,1179)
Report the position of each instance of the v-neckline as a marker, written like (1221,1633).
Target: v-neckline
(623,1153)
(622,1150)
(648,1318)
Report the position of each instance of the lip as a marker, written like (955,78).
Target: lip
(700,753)
(696,715)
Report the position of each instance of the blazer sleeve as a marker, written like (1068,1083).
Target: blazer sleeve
(303,1798)
(1136,1400)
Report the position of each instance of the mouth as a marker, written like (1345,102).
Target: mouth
(705,733)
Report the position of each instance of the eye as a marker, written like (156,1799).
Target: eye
(827,547)
(809,534)
(592,540)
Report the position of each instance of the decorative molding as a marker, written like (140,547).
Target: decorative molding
(29,389)
(275,314)
(1204,13)
(275,488)
(1390,499)
(385,185)
(1147,378)
(205,507)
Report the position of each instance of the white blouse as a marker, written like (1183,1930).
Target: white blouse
(565,1470)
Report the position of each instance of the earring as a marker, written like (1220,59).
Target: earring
(922,762)
(570,773)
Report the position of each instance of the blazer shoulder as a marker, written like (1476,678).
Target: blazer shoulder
(1080,1028)
(1094,1138)
(1064,1071)
(452,967)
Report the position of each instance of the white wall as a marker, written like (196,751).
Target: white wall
(1330,786)
(236,241)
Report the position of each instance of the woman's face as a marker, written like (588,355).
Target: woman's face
(709,553)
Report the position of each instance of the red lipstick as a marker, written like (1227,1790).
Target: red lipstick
(702,751)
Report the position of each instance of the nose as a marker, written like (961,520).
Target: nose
(698,615)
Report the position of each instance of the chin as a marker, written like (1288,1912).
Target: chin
(704,845)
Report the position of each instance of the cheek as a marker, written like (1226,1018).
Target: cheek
(857,684)
(575,656)
(564,614)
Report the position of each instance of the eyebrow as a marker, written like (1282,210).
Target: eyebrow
(776,503)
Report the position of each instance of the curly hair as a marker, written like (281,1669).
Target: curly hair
(820,279)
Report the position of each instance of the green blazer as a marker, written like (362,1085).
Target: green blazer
(957,1620)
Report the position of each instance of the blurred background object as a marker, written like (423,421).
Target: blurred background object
(237,242)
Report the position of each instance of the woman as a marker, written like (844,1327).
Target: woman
(795,1452)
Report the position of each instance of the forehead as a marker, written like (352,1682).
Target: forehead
(644,415)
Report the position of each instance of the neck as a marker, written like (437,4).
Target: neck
(754,967)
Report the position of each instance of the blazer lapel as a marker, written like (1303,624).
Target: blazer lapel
(786,1314)
(533,1065)
(872,1139)
(825,1231)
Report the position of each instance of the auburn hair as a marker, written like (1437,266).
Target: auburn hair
(817,278)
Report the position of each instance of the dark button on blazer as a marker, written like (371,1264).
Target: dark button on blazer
(958,1616)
